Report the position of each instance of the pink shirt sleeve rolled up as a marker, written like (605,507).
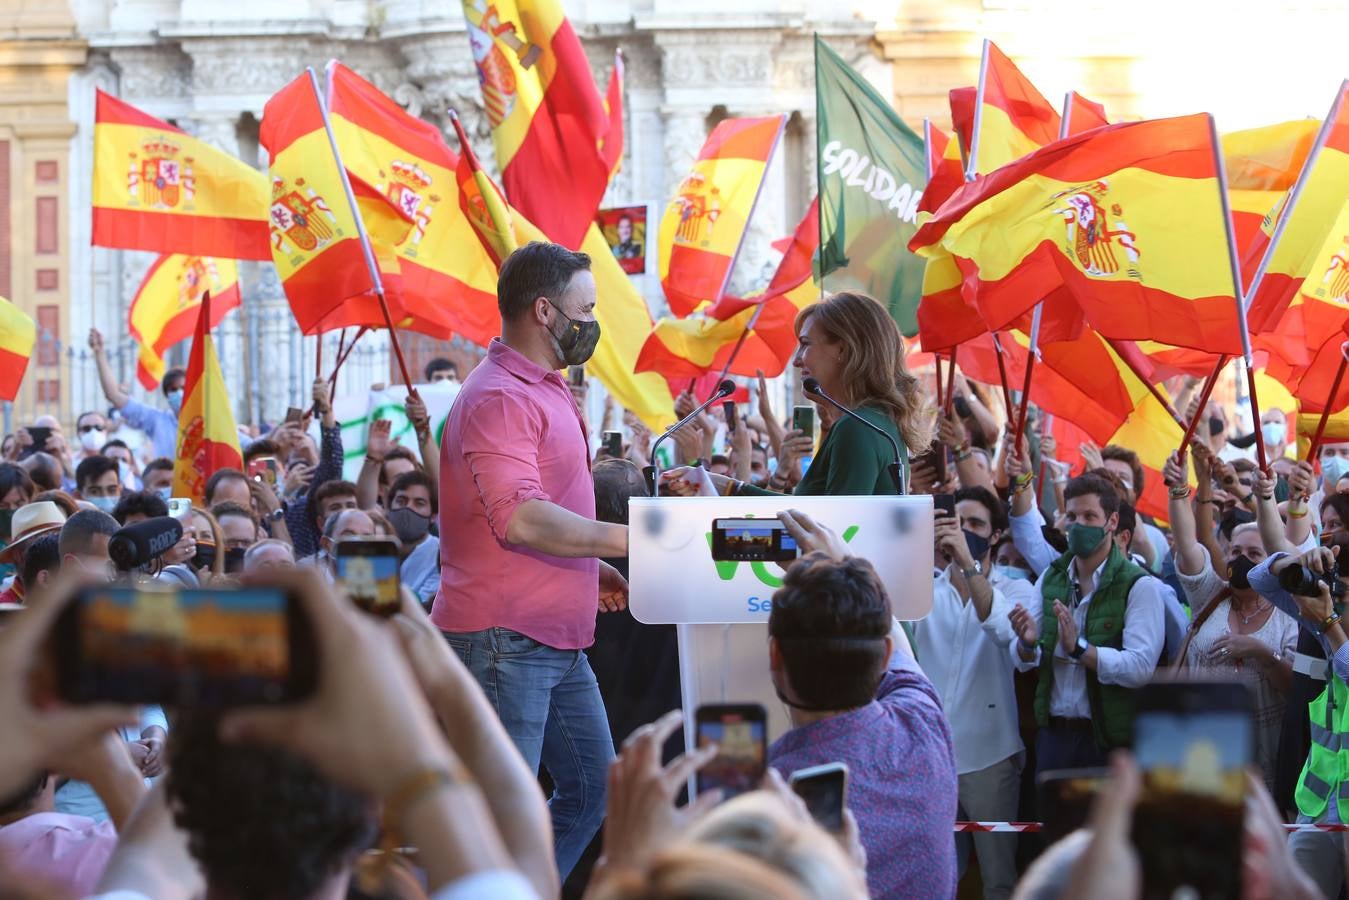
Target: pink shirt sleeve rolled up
(514,434)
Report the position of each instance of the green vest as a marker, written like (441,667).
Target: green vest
(1112,707)
(1324,773)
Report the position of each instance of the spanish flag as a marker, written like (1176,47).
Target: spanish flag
(1322,187)
(1127,218)
(159,189)
(619,308)
(1012,117)
(1082,114)
(692,347)
(316,245)
(207,437)
(18,334)
(611,148)
(549,123)
(1263,163)
(445,286)
(167,306)
(704,225)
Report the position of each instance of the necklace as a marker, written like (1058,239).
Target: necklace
(1245,619)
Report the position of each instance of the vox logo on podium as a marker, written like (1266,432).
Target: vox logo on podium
(727,570)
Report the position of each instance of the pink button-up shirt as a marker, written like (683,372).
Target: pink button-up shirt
(514,434)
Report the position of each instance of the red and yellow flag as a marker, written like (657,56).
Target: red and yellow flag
(622,313)
(611,147)
(549,123)
(1128,218)
(315,242)
(167,306)
(207,437)
(1012,117)
(1324,185)
(18,334)
(444,286)
(159,189)
(1083,114)
(703,226)
(1262,164)
(688,348)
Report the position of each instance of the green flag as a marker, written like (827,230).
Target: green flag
(871,171)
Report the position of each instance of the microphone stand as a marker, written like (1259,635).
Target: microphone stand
(725,389)
(812,387)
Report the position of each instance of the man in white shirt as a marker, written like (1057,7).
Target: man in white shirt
(1095,635)
(962,646)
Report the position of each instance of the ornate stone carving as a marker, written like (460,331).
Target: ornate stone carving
(247,65)
(685,131)
(153,71)
(218,131)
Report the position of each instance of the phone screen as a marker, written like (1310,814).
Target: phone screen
(741,735)
(201,647)
(613,444)
(728,409)
(368,569)
(1193,742)
(264,469)
(824,790)
(752,540)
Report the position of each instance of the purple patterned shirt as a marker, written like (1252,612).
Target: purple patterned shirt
(901,781)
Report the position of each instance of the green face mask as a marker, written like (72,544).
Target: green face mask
(1084,539)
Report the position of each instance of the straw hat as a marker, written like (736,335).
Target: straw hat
(30,521)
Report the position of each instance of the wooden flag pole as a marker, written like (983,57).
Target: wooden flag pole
(951,380)
(1330,400)
(941,397)
(1203,402)
(1030,368)
(376,281)
(1002,375)
(1152,388)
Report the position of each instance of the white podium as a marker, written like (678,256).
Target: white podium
(721,608)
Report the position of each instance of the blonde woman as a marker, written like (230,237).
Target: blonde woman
(850,345)
(209,562)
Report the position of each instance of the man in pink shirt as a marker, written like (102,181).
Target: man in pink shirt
(67,854)
(521,577)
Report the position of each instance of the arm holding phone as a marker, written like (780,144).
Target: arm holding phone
(426,439)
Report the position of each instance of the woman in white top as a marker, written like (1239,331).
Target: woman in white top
(1242,635)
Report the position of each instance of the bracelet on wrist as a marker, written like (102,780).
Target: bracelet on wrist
(1181,492)
(1247,499)
(1297,514)
(1330,622)
(377,460)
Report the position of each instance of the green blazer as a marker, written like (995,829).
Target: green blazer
(852,461)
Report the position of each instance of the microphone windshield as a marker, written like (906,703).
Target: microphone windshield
(811,386)
(133,546)
(726,388)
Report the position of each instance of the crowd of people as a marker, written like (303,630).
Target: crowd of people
(514,732)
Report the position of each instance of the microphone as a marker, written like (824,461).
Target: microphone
(725,389)
(134,546)
(811,386)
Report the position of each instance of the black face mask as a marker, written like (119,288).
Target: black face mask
(234,559)
(205,557)
(1215,425)
(978,545)
(410,525)
(1238,572)
(576,344)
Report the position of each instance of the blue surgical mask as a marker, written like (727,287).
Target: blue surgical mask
(175,399)
(1273,432)
(166,493)
(1015,573)
(107,504)
(1333,468)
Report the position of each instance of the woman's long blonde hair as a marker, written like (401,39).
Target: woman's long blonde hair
(874,373)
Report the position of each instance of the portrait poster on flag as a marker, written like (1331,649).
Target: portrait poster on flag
(624,229)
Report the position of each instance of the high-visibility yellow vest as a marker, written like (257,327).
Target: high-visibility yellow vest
(1326,772)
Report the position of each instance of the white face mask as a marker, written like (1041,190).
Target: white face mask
(92,440)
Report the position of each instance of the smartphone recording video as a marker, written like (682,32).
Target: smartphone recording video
(752,540)
(740,732)
(368,570)
(824,789)
(613,444)
(1193,742)
(212,647)
(264,469)
(180,508)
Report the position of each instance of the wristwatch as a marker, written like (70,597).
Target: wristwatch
(976,569)
(277,514)
(1081,649)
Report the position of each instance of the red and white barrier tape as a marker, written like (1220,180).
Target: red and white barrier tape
(1018,827)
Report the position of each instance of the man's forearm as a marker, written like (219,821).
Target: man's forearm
(548,528)
(116,396)
(120,790)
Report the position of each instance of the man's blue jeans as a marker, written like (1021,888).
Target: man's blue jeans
(550,703)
